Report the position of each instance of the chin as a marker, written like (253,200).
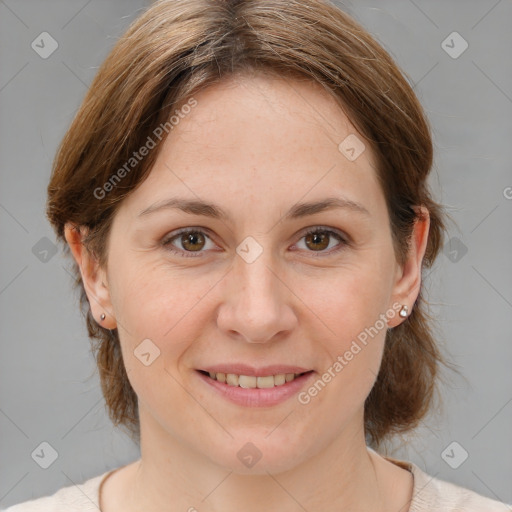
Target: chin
(260,453)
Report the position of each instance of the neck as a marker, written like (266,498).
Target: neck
(171,477)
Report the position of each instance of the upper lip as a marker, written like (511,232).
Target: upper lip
(262,371)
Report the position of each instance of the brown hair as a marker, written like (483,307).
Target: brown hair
(179,47)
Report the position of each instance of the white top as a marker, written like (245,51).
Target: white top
(429,495)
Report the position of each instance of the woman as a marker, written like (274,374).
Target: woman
(244,192)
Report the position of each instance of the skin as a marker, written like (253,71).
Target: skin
(254,146)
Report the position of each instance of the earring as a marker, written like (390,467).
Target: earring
(404,311)
(102,316)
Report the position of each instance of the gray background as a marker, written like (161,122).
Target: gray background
(49,390)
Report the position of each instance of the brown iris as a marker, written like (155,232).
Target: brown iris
(319,237)
(191,240)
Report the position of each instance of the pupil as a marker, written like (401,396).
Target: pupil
(319,238)
(191,238)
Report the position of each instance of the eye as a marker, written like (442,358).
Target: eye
(191,239)
(319,239)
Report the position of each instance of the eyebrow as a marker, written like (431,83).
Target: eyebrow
(297,211)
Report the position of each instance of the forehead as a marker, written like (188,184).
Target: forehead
(245,111)
(263,138)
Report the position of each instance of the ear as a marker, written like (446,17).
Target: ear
(408,278)
(94,278)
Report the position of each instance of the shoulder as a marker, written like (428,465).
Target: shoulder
(75,498)
(430,493)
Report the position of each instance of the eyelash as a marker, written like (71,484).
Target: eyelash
(319,229)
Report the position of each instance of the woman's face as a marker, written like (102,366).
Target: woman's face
(250,292)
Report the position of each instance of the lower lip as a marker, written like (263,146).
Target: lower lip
(265,397)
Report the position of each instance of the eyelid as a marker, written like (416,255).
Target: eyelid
(166,241)
(342,237)
(313,229)
(192,229)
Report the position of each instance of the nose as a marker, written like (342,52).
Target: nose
(258,305)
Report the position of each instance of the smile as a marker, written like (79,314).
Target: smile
(270,389)
(251,381)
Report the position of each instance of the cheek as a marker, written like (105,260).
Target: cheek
(350,308)
(351,355)
(350,300)
(160,315)
(166,306)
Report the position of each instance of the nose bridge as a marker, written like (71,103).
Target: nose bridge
(258,286)
(256,307)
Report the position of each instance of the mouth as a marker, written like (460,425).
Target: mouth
(249,387)
(253,381)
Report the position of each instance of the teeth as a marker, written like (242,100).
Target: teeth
(266,382)
(245,381)
(232,379)
(251,382)
(280,379)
